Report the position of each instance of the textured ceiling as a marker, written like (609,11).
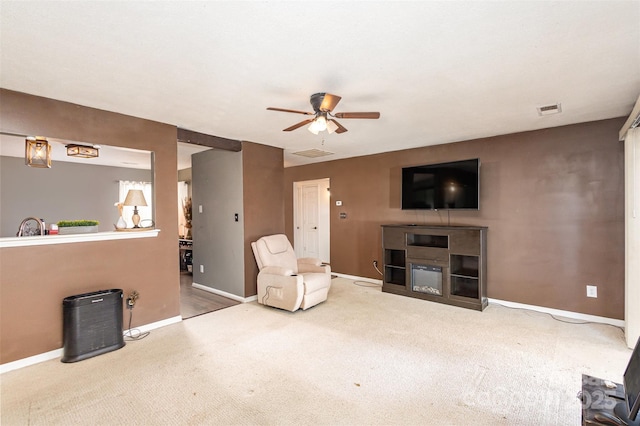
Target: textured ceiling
(438,71)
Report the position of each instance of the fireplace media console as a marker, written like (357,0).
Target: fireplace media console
(445,264)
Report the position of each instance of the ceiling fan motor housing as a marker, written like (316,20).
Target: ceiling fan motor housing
(316,101)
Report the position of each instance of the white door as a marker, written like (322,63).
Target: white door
(311,219)
(309,227)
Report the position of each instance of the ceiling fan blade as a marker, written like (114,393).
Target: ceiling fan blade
(296,126)
(357,115)
(290,110)
(329,102)
(340,127)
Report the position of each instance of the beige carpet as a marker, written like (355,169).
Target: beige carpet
(363,357)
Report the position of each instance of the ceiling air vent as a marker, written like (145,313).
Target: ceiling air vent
(549,109)
(313,153)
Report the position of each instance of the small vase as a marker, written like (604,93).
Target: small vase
(121,224)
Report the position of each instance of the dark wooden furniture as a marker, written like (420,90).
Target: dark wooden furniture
(445,264)
(186,254)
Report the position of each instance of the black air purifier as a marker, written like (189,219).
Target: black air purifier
(92,324)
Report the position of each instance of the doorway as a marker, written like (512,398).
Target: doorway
(311,207)
(193,301)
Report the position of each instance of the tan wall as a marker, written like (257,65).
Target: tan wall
(34,280)
(263,174)
(553,201)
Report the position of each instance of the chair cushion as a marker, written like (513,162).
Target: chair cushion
(275,250)
(314,281)
(277,243)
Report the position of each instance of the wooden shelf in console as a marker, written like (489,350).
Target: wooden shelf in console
(444,264)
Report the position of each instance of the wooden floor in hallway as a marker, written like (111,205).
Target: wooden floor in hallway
(194,301)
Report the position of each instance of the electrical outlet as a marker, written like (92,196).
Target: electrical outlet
(131,300)
(592,291)
(202,269)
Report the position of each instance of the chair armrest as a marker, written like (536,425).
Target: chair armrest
(312,264)
(309,261)
(305,267)
(277,270)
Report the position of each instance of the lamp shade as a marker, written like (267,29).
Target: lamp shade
(135,197)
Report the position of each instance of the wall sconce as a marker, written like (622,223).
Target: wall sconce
(135,198)
(37,152)
(83,151)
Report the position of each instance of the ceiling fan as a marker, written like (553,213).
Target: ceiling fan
(323,105)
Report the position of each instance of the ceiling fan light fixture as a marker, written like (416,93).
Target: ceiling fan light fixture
(313,128)
(318,125)
(323,118)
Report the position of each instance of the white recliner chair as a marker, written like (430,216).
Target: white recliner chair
(286,282)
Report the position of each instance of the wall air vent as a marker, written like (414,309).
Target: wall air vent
(549,109)
(313,153)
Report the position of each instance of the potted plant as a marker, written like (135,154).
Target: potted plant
(186,209)
(77,226)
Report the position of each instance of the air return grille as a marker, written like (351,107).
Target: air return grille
(550,109)
(313,153)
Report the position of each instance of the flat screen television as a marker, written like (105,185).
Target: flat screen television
(453,185)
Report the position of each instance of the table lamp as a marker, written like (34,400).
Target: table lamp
(135,198)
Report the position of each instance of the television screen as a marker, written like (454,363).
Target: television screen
(454,185)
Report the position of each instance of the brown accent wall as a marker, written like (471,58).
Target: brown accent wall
(553,201)
(34,280)
(263,174)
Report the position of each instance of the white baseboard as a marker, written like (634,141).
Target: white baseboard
(35,359)
(58,353)
(355,278)
(225,294)
(560,313)
(556,312)
(157,324)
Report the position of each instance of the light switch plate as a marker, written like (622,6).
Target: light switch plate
(338,203)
